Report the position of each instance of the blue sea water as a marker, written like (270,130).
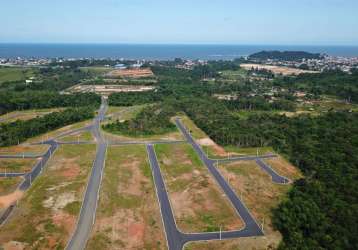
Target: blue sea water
(157,52)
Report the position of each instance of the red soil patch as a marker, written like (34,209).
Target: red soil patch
(64,220)
(131,73)
(136,231)
(7,200)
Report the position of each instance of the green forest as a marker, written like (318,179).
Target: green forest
(18,131)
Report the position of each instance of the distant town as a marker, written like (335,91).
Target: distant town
(318,62)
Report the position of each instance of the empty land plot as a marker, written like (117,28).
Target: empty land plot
(46,215)
(78,137)
(59,131)
(197,202)
(171,136)
(96,70)
(9,74)
(16,165)
(128,215)
(24,149)
(276,69)
(8,185)
(109,89)
(25,115)
(256,189)
(130,73)
(123,113)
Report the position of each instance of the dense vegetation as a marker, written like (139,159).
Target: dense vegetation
(151,120)
(133,98)
(12,100)
(18,131)
(284,55)
(334,83)
(321,212)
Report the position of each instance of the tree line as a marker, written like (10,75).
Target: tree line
(19,131)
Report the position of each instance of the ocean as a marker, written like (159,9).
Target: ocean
(157,52)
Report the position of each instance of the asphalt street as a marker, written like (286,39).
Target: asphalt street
(276,178)
(87,215)
(176,239)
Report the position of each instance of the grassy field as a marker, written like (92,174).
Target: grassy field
(24,148)
(234,74)
(123,113)
(10,74)
(197,202)
(128,215)
(47,213)
(82,136)
(16,165)
(260,195)
(96,70)
(59,131)
(8,185)
(26,114)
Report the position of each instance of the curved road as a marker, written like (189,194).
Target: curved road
(87,215)
(176,239)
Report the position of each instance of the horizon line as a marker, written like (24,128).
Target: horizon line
(180,44)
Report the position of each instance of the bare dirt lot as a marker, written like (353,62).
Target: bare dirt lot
(276,69)
(46,214)
(197,202)
(130,73)
(128,215)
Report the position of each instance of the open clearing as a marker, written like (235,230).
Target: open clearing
(46,215)
(128,215)
(109,89)
(197,202)
(130,73)
(16,165)
(78,137)
(59,131)
(123,113)
(260,195)
(276,69)
(24,148)
(8,185)
(10,74)
(26,114)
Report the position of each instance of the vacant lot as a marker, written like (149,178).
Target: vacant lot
(83,136)
(26,114)
(24,148)
(10,74)
(197,202)
(131,73)
(8,185)
(128,215)
(60,131)
(109,89)
(276,69)
(260,195)
(16,165)
(47,213)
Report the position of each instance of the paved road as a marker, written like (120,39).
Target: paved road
(87,215)
(244,158)
(177,239)
(276,178)
(145,142)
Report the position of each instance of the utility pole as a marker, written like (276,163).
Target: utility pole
(220,232)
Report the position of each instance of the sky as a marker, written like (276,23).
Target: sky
(281,22)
